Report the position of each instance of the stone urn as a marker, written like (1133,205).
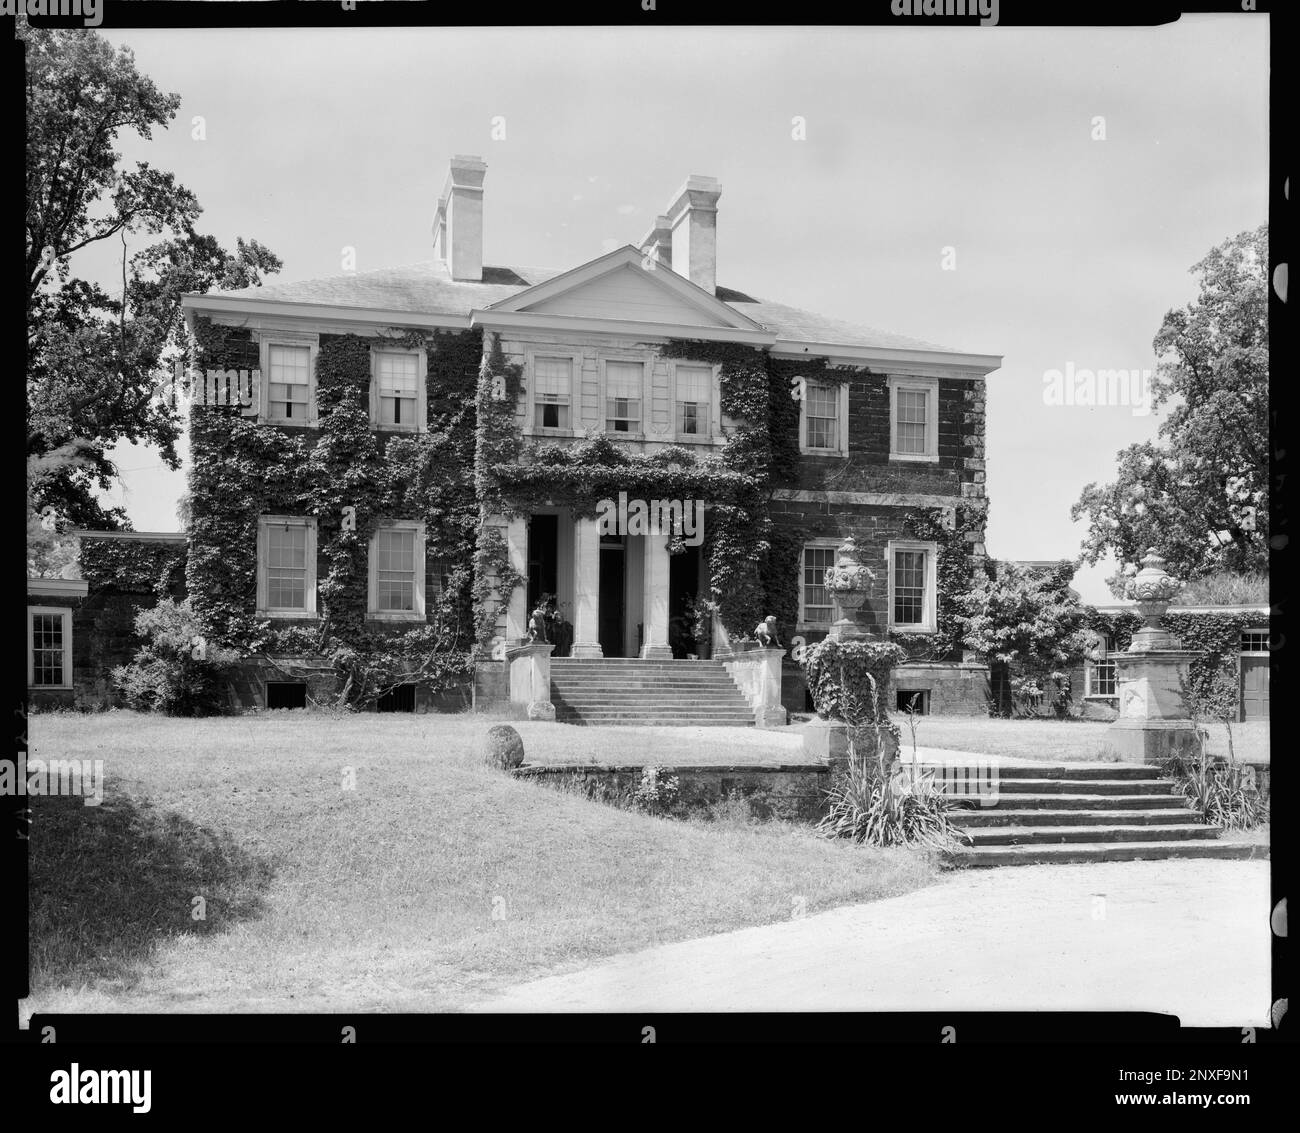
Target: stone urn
(1151,591)
(848,582)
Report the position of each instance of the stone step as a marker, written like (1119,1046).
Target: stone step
(612,664)
(1008,786)
(633,685)
(1106,852)
(656,710)
(1075,772)
(1009,816)
(1057,835)
(1091,802)
(656,722)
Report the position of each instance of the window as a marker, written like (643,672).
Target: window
(399,698)
(821,416)
(623,396)
(694,400)
(1099,674)
(286,694)
(49,647)
(912,586)
(915,701)
(286,566)
(440,571)
(552,392)
(815,599)
(397,571)
(1254,641)
(290,383)
(397,390)
(913,418)
(288,393)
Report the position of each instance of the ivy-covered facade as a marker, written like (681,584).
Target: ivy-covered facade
(394,470)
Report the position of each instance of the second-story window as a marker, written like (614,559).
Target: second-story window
(914,418)
(552,392)
(822,417)
(397,377)
(290,383)
(694,396)
(623,396)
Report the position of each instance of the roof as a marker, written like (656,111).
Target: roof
(427,288)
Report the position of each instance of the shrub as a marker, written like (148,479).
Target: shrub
(176,671)
(658,790)
(1221,790)
(895,806)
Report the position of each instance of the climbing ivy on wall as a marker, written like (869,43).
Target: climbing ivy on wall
(954,573)
(128,565)
(242,469)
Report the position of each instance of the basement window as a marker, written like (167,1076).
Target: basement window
(286,694)
(915,700)
(400,698)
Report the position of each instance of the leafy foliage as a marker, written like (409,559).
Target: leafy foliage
(176,671)
(843,678)
(95,362)
(1200,495)
(1032,625)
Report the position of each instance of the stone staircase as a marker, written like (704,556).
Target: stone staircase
(1063,813)
(617,690)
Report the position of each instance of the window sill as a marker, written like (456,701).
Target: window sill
(540,431)
(394,616)
(379,427)
(919,629)
(288,615)
(805,451)
(914,458)
(50,688)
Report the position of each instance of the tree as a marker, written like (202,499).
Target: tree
(1031,627)
(95,361)
(1199,495)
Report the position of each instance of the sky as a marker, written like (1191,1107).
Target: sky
(974,148)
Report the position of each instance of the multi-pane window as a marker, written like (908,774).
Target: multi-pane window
(817,607)
(286,566)
(913,410)
(821,411)
(395,569)
(289,382)
(1101,672)
(623,396)
(398,377)
(50,633)
(694,396)
(913,418)
(909,588)
(440,572)
(552,392)
(1254,641)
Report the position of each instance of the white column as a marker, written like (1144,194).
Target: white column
(654,608)
(517,607)
(586,589)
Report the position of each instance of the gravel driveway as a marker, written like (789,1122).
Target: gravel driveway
(1189,938)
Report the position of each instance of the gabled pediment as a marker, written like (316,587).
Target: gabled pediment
(621,287)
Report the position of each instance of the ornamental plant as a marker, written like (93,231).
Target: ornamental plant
(177,671)
(842,674)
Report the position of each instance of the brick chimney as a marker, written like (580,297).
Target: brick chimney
(458,223)
(657,244)
(693,216)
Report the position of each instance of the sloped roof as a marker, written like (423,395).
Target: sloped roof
(427,288)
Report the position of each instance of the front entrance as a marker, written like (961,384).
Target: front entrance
(683,586)
(1254,688)
(613,570)
(543,558)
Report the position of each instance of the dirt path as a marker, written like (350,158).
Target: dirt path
(1189,938)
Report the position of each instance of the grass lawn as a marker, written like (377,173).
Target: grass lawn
(1058,741)
(382,897)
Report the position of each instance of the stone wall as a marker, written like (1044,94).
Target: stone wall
(248,685)
(793,791)
(955,688)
